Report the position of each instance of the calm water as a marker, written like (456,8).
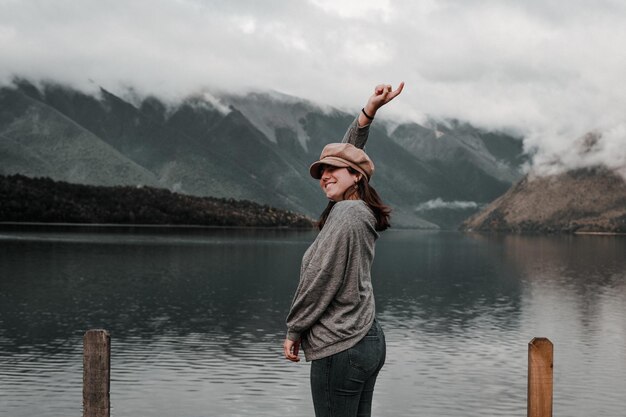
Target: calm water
(197,321)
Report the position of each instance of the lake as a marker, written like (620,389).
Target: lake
(196,318)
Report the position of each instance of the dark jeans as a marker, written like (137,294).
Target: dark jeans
(343,384)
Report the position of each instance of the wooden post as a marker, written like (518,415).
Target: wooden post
(96,373)
(540,364)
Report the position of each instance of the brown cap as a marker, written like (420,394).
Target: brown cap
(343,155)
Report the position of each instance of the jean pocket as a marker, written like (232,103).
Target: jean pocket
(365,355)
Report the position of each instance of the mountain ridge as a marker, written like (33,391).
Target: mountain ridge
(196,148)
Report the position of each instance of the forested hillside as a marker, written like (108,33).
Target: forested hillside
(24,199)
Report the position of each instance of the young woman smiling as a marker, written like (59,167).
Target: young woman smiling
(332,314)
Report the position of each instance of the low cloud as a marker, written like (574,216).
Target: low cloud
(549,71)
(438,204)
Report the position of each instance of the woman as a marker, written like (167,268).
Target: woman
(332,314)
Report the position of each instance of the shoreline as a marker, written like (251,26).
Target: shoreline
(601,233)
(149,226)
(537,233)
(286,228)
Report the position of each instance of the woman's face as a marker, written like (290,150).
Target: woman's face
(336,181)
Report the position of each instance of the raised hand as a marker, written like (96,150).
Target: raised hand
(383,94)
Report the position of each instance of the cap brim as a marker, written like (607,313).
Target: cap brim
(315,169)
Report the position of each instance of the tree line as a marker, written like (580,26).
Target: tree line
(25,199)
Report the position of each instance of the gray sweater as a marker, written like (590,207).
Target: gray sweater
(333,307)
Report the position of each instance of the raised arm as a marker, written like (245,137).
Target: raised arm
(358,131)
(356,135)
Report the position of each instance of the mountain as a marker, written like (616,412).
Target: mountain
(582,200)
(36,139)
(486,162)
(256,147)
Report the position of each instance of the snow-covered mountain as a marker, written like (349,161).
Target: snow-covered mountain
(256,146)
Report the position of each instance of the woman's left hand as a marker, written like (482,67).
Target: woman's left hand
(383,94)
(291,349)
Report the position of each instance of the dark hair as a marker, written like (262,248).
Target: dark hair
(368,194)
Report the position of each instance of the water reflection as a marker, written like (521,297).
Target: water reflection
(144,288)
(445,279)
(197,319)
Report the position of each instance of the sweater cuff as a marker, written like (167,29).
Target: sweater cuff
(293,336)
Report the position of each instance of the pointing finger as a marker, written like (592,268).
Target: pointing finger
(397,91)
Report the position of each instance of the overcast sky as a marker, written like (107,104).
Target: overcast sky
(551,70)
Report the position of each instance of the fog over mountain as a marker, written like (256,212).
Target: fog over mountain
(548,71)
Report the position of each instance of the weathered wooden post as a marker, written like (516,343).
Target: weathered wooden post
(540,365)
(96,373)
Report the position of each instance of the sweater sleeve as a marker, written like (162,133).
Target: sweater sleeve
(323,274)
(356,135)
